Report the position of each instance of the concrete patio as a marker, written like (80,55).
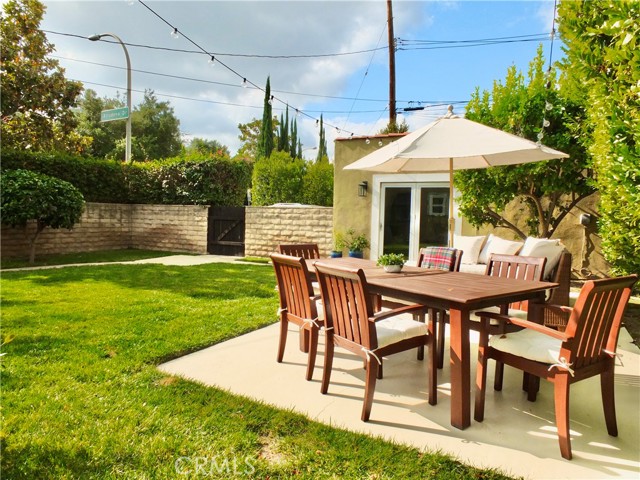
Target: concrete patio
(517,436)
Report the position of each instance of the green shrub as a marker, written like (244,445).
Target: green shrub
(194,180)
(278,179)
(29,196)
(98,180)
(318,184)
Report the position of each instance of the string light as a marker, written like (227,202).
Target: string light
(244,82)
(174,33)
(212,60)
(367,141)
(271,100)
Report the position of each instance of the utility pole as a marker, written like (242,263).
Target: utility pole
(392,67)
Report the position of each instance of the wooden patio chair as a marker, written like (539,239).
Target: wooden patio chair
(586,348)
(297,305)
(304,250)
(351,323)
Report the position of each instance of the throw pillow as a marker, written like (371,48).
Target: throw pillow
(471,247)
(503,247)
(483,257)
(543,247)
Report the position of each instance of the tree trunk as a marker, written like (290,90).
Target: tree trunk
(32,243)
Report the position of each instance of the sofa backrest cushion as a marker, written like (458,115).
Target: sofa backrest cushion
(471,246)
(544,247)
(498,245)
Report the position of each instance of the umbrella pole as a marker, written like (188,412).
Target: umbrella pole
(452,221)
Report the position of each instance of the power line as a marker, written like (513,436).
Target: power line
(226,54)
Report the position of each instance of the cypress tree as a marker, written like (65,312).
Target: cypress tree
(265,143)
(322,143)
(294,139)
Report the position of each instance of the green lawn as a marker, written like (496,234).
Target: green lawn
(82,398)
(125,255)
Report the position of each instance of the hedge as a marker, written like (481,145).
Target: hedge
(195,180)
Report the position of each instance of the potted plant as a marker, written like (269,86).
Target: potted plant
(392,262)
(356,243)
(338,245)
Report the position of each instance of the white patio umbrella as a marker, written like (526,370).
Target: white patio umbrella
(453,143)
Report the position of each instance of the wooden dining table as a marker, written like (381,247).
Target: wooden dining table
(460,293)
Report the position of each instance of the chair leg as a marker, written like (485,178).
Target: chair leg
(283,339)
(481,380)
(432,370)
(328,363)
(533,387)
(420,318)
(608,401)
(561,399)
(440,331)
(313,350)
(498,376)
(369,388)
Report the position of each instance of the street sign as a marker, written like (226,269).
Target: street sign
(115,114)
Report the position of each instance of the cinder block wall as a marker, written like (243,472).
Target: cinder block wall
(266,227)
(105,226)
(175,228)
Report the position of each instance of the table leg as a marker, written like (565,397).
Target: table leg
(460,368)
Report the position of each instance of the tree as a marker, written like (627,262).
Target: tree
(283,132)
(156,128)
(37,99)
(250,137)
(394,127)
(548,190)
(317,184)
(265,142)
(29,196)
(207,147)
(322,144)
(103,135)
(603,57)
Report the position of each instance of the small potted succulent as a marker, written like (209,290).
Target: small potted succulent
(356,243)
(392,262)
(338,245)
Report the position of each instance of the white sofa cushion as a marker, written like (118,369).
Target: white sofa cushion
(478,268)
(471,247)
(394,329)
(543,247)
(498,245)
(528,344)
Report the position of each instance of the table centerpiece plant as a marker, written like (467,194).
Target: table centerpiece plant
(392,262)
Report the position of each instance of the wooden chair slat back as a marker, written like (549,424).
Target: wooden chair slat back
(294,286)
(594,324)
(518,268)
(304,250)
(347,304)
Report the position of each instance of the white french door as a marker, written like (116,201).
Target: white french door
(412,216)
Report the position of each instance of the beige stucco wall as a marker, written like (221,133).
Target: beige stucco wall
(349,209)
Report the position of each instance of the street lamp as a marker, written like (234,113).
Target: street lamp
(95,38)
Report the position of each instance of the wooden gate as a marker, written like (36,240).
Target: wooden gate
(225,234)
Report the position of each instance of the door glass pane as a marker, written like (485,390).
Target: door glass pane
(397,220)
(434,216)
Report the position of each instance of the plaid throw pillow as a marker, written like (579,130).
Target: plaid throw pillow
(442,258)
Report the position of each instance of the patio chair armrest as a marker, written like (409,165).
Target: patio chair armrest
(398,311)
(556,316)
(486,316)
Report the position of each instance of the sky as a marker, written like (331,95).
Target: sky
(326,58)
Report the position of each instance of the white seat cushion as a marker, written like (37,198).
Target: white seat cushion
(528,344)
(512,313)
(394,329)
